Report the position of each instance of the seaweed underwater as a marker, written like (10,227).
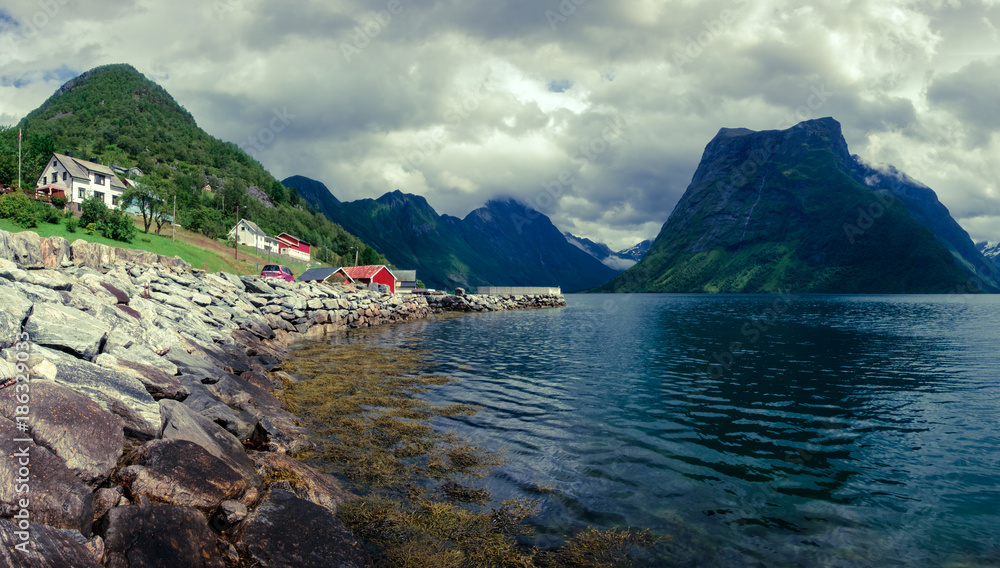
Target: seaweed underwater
(419,504)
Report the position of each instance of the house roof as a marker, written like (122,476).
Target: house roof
(405,275)
(317,274)
(291,237)
(356,272)
(81,169)
(253,227)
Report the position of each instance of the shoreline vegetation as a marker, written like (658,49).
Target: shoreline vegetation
(145,397)
(420,505)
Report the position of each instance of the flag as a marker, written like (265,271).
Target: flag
(18,133)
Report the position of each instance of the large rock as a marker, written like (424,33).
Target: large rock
(158,536)
(288,531)
(56,496)
(304,481)
(181,423)
(118,393)
(14,309)
(26,247)
(157,382)
(179,472)
(55,252)
(92,255)
(66,328)
(73,427)
(46,547)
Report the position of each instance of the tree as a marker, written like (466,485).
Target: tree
(153,195)
(117,225)
(368,257)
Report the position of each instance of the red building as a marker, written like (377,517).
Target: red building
(365,275)
(293,247)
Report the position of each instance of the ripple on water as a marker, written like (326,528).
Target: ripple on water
(856,431)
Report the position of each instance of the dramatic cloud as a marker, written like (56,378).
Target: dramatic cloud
(595,112)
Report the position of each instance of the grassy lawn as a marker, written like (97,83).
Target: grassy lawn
(195,248)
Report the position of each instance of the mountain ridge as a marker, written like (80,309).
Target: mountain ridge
(790,210)
(501,243)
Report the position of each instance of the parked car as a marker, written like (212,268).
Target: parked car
(277,271)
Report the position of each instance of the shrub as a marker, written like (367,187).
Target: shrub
(91,228)
(49,215)
(71,224)
(94,209)
(12,203)
(59,202)
(118,225)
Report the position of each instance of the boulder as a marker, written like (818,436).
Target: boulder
(157,383)
(26,247)
(179,472)
(106,499)
(118,393)
(47,547)
(288,531)
(73,427)
(14,309)
(91,255)
(304,481)
(181,423)
(142,354)
(56,496)
(156,536)
(66,328)
(55,252)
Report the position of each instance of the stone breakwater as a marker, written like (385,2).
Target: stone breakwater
(138,410)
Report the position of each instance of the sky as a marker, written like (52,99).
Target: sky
(594,112)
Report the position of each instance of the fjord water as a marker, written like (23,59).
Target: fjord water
(840,431)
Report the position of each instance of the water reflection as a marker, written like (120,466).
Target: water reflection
(852,431)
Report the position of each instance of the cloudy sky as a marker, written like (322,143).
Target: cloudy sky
(593,111)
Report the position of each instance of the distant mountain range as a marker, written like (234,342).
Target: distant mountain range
(794,211)
(620,261)
(990,251)
(502,243)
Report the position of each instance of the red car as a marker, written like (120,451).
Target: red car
(277,271)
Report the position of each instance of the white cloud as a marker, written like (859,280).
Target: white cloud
(462,101)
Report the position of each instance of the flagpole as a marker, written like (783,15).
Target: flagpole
(19,159)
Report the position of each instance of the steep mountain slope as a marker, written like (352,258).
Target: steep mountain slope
(790,211)
(503,243)
(114,115)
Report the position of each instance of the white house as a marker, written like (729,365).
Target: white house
(81,179)
(247,233)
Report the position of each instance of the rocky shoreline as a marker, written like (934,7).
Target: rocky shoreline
(139,415)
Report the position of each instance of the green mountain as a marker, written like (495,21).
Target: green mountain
(794,211)
(503,243)
(114,115)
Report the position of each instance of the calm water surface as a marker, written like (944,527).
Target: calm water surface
(845,431)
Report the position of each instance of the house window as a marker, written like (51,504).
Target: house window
(99,179)
(80,192)
(99,195)
(114,200)
(44,180)
(64,176)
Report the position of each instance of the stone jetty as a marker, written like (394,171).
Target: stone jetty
(138,414)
